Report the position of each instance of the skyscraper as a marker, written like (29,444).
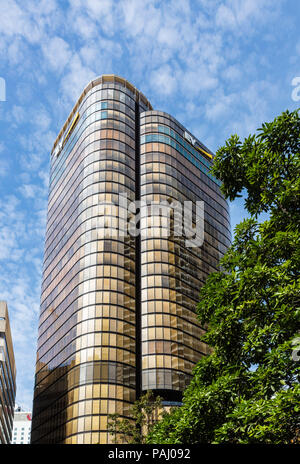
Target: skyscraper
(7,377)
(120,286)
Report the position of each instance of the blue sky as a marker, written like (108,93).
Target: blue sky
(219,67)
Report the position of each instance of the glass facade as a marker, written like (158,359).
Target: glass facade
(118,312)
(173,170)
(7,377)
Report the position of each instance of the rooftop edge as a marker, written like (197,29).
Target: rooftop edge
(105,78)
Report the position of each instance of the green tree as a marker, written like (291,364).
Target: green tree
(143,415)
(247,390)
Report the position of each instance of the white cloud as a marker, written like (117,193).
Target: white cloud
(168,36)
(8,208)
(85,27)
(225,17)
(41,7)
(135,14)
(220,105)
(99,8)
(77,77)
(44,176)
(21,239)
(57,53)
(198,81)
(4,167)
(8,245)
(22,297)
(41,119)
(18,115)
(16,21)
(163,80)
(244,16)
(232,73)
(16,50)
(12,18)
(102,13)
(28,191)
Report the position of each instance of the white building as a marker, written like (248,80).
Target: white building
(22,427)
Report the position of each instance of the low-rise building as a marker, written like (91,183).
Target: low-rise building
(22,427)
(7,377)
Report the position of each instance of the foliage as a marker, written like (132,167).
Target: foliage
(247,390)
(143,415)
